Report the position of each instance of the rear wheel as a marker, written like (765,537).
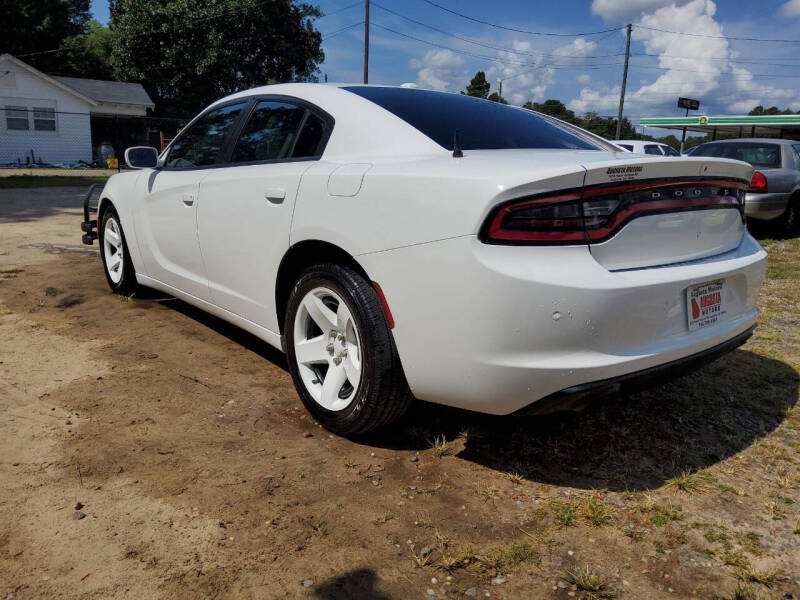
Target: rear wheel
(341,353)
(117,264)
(789,222)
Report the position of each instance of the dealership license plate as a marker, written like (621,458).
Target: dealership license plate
(705,304)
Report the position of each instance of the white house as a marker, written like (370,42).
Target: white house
(50,119)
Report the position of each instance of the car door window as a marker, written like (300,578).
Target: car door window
(652,149)
(796,148)
(270,133)
(200,145)
(310,138)
(627,147)
(670,151)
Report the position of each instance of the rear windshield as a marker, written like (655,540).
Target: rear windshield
(756,153)
(481,124)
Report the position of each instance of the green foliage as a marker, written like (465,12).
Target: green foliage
(603,126)
(37,25)
(88,55)
(772,110)
(495,97)
(189,53)
(478,86)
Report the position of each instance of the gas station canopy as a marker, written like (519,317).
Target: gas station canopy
(779,126)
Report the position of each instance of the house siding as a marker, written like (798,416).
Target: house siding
(69,143)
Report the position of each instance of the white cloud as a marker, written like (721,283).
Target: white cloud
(584,78)
(791,9)
(618,10)
(440,70)
(692,66)
(409,85)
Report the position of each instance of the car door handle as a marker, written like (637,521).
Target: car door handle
(275,195)
(188,199)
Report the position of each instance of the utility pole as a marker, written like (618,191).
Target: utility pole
(366,41)
(624,79)
(500,93)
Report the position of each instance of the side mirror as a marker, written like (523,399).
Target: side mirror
(141,157)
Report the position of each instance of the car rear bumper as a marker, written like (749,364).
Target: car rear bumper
(578,395)
(496,328)
(765,206)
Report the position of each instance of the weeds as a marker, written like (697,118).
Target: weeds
(440,446)
(520,552)
(691,483)
(588,582)
(597,512)
(489,492)
(565,515)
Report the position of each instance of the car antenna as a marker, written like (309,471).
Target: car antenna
(457,153)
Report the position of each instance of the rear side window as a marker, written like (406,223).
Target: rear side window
(764,155)
(481,124)
(796,148)
(201,143)
(652,149)
(270,134)
(670,151)
(627,147)
(310,138)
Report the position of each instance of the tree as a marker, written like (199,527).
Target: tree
(38,26)
(189,53)
(772,110)
(88,55)
(478,86)
(555,108)
(495,97)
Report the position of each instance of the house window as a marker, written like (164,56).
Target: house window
(44,119)
(17,118)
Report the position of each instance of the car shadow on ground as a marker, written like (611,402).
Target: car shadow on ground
(359,583)
(620,442)
(31,204)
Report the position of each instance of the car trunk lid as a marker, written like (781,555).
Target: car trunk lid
(665,210)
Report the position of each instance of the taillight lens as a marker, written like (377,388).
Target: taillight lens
(759,182)
(594,215)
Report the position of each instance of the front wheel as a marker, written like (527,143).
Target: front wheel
(117,263)
(341,353)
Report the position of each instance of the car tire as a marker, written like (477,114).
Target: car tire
(788,223)
(117,264)
(341,352)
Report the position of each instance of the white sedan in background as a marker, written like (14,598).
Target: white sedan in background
(401,243)
(647,147)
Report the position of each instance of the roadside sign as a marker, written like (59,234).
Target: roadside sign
(688,103)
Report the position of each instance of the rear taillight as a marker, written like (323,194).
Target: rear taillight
(758,183)
(596,214)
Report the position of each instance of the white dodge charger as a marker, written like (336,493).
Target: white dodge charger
(399,243)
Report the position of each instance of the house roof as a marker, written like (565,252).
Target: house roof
(108,92)
(23,65)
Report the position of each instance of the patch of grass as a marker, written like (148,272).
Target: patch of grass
(460,559)
(520,552)
(751,575)
(420,560)
(590,583)
(318,526)
(597,512)
(751,542)
(383,519)
(745,593)
(661,514)
(35,181)
(690,483)
(659,546)
(440,446)
(637,535)
(514,477)
(565,515)
(736,560)
(489,492)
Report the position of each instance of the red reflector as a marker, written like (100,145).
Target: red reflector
(759,182)
(385,304)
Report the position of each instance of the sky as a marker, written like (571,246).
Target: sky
(417,43)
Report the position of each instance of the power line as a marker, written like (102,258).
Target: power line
(338,10)
(718,37)
(535,54)
(463,16)
(327,36)
(493,58)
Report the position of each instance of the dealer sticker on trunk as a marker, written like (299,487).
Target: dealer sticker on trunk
(705,304)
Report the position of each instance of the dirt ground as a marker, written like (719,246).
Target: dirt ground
(150,451)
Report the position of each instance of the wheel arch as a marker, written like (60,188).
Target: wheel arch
(298,258)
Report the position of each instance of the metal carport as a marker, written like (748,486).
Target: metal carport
(779,126)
